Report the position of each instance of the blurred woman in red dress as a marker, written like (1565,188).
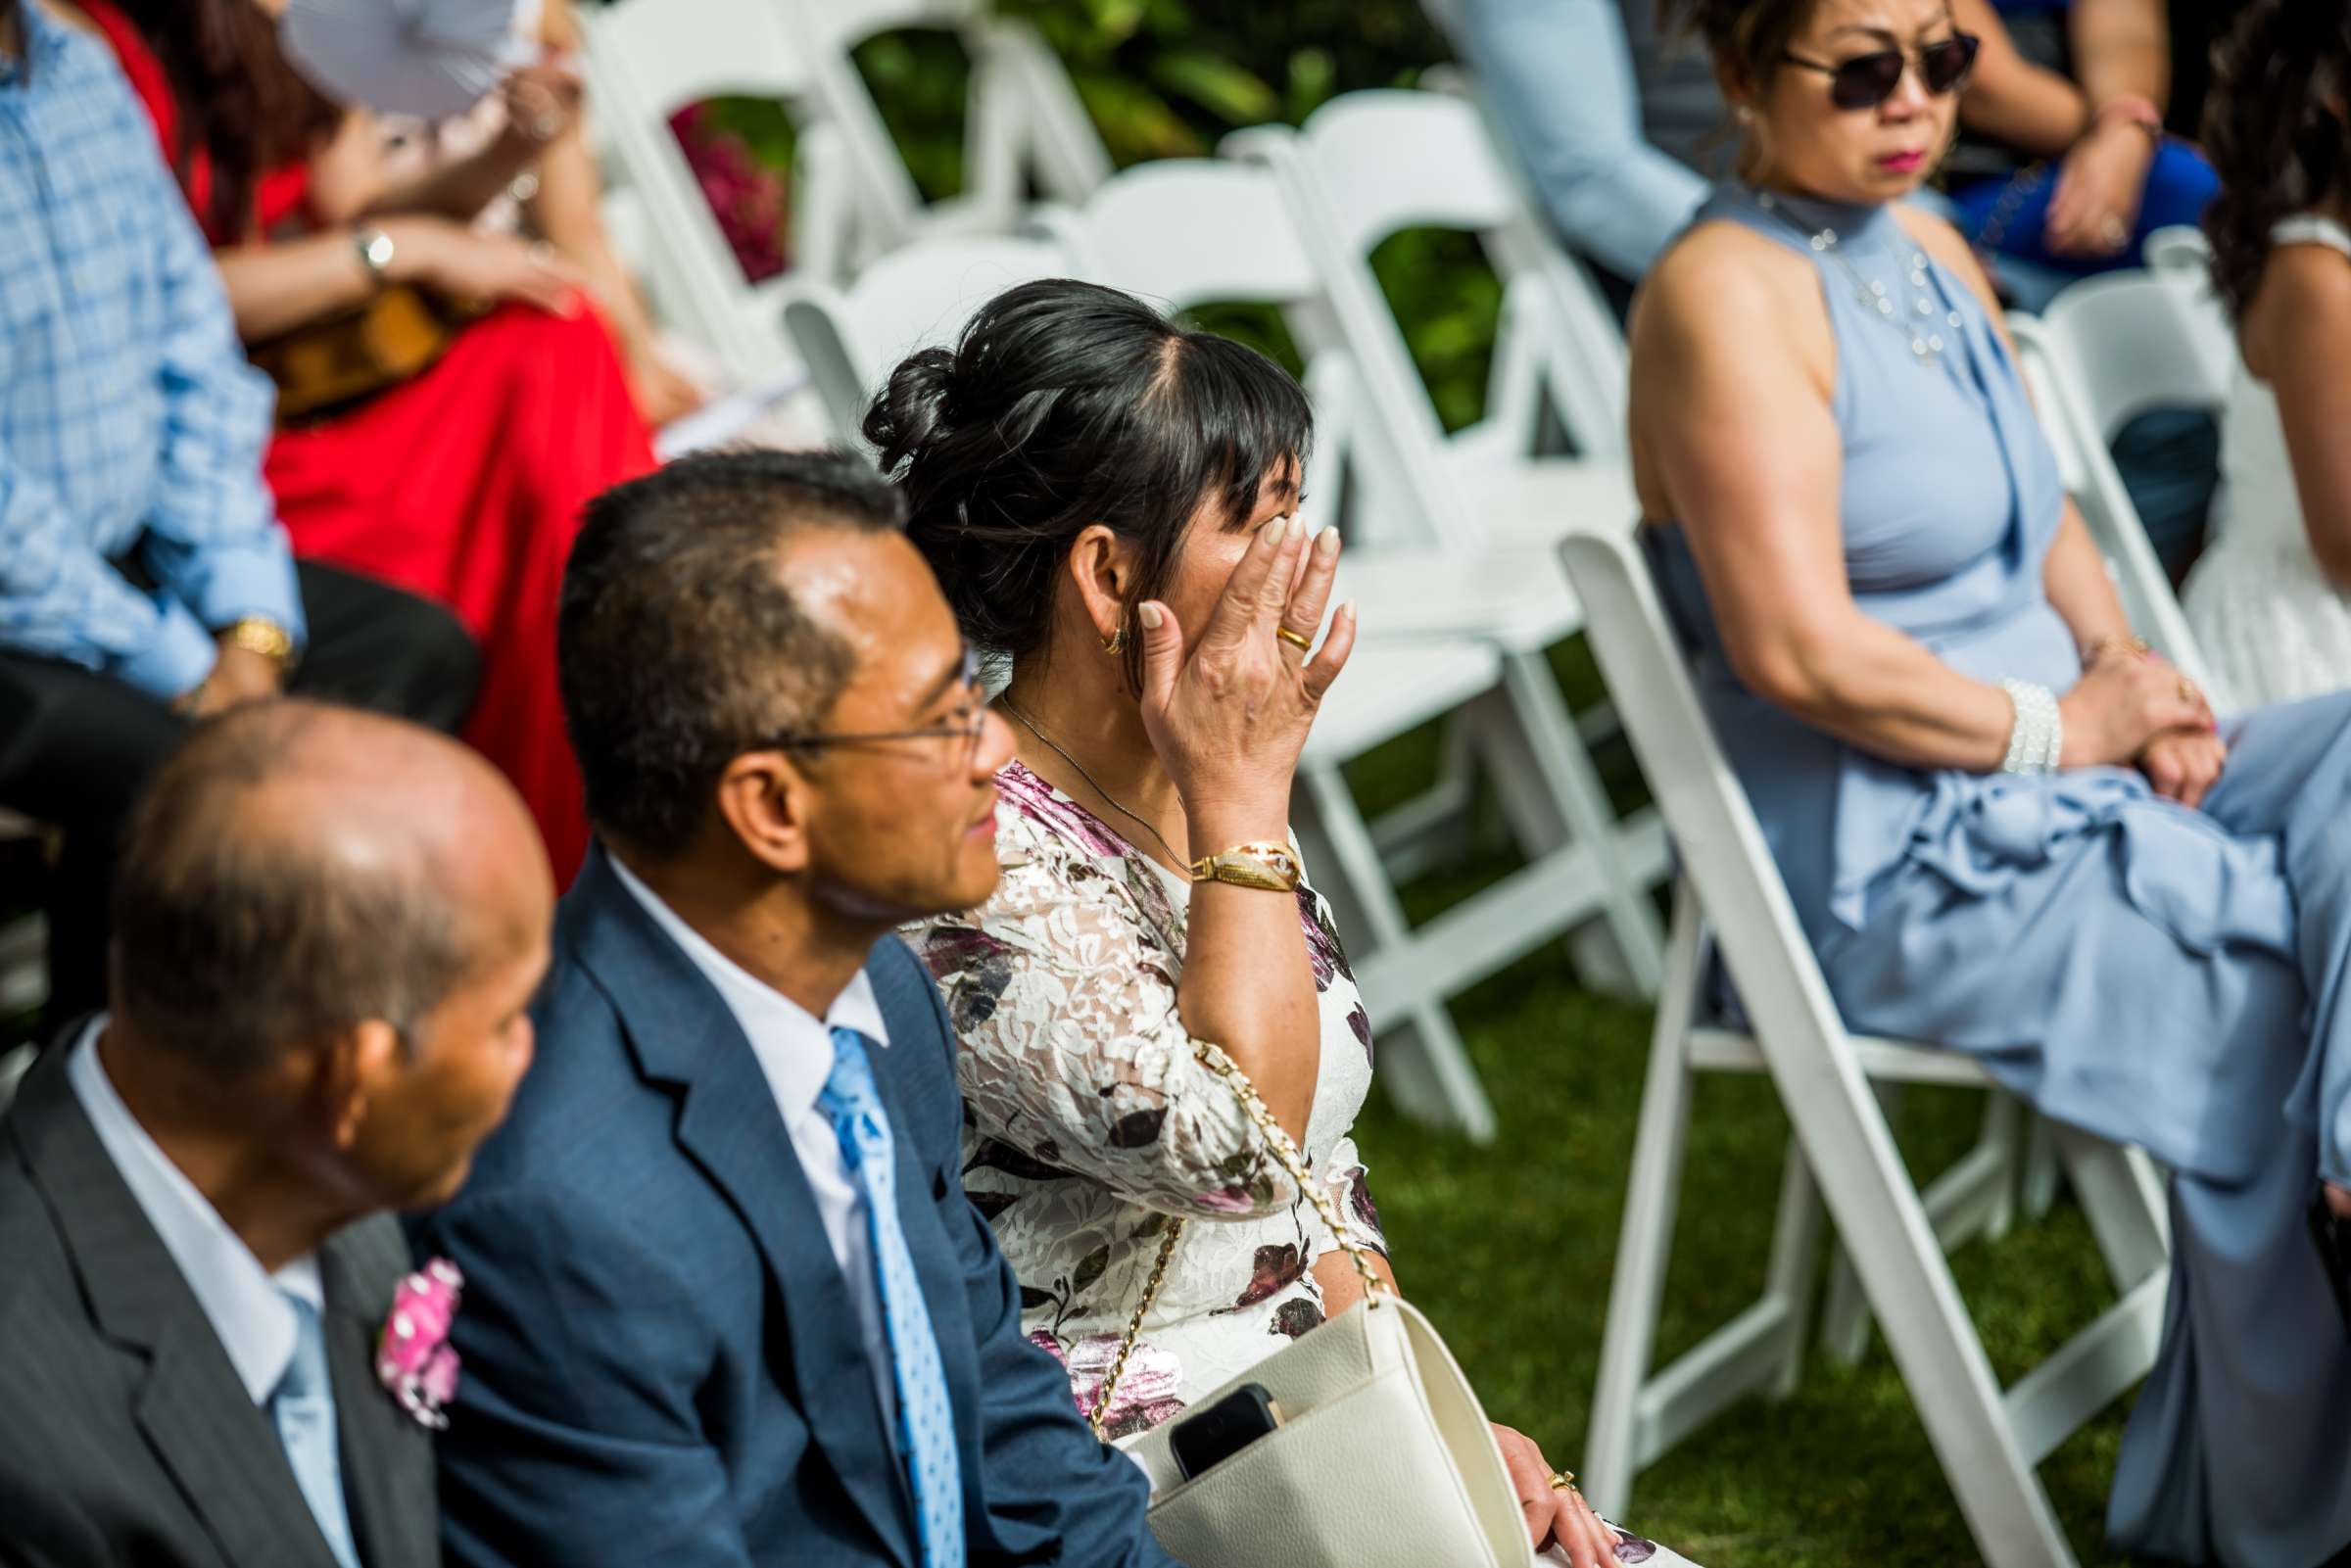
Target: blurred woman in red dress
(465,482)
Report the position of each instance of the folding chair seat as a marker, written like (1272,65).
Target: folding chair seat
(1731,901)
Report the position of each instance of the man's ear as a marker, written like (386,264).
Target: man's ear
(766,801)
(356,1068)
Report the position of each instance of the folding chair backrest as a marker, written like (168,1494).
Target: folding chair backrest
(647,59)
(1184,232)
(1193,231)
(1022,115)
(1392,160)
(2128,342)
(851,339)
(2086,467)
(2180,247)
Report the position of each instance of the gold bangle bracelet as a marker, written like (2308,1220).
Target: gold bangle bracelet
(2114,642)
(1270,866)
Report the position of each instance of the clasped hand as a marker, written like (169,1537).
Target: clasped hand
(2138,709)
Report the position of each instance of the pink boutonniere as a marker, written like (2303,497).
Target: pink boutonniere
(414,1361)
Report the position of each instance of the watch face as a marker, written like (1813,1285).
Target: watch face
(378,250)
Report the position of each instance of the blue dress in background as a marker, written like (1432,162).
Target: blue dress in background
(2161,977)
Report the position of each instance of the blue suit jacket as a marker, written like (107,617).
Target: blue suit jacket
(661,1362)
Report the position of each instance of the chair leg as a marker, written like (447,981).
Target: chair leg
(1794,1257)
(1886,1232)
(1540,745)
(2004,1132)
(1425,1065)
(1637,1287)
(1845,1319)
(2123,1198)
(2042,1167)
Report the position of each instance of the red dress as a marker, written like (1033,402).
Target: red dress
(465,484)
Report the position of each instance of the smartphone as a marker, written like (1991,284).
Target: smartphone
(1214,1433)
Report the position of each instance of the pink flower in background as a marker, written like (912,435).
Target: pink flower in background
(745,196)
(414,1359)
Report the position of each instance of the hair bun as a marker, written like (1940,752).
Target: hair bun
(912,413)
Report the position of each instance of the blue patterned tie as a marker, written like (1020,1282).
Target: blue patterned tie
(304,1409)
(926,1422)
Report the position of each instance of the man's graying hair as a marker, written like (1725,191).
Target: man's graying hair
(235,943)
(680,648)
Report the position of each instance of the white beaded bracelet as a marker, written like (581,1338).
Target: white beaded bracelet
(2036,734)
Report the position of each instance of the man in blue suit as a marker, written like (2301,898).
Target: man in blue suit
(726,1302)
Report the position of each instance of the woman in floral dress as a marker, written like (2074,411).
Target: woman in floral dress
(1106,498)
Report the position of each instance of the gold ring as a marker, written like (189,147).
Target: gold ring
(1562,1481)
(2188,691)
(1297,639)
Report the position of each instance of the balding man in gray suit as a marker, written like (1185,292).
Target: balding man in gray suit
(328,928)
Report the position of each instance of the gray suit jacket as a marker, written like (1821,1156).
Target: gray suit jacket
(125,1436)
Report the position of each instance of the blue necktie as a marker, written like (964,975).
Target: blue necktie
(926,1421)
(304,1409)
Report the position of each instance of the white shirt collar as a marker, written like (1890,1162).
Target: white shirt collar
(251,1319)
(793,1046)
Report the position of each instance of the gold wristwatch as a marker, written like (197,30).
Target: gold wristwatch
(1270,866)
(258,634)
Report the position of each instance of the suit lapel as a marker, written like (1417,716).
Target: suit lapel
(387,1456)
(682,1033)
(216,1445)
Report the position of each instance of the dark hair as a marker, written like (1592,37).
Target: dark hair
(1747,38)
(231,945)
(237,98)
(1065,405)
(679,648)
(2277,145)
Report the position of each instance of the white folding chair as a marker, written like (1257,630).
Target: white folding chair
(1161,230)
(853,337)
(922,296)
(644,60)
(1731,900)
(2110,348)
(1368,164)
(2181,250)
(1023,117)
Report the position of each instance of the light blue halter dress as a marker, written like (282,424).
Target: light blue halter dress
(2162,977)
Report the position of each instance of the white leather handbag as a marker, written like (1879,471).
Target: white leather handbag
(1384,1457)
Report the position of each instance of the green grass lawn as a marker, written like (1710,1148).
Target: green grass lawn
(1508,1248)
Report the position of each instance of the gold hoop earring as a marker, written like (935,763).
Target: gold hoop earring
(1116,642)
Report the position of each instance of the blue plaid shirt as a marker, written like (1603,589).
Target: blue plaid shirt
(129,421)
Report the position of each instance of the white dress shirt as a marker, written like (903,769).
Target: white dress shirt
(255,1323)
(794,1050)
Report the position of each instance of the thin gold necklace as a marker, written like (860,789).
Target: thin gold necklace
(1116,803)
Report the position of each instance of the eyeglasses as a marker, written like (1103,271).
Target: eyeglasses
(968,730)
(1868,80)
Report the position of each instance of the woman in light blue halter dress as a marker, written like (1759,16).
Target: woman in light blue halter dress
(1861,533)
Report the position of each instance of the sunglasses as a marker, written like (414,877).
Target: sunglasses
(1868,80)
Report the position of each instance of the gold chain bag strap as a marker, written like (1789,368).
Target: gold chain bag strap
(1383,1455)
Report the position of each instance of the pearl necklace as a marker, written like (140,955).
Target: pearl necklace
(1917,323)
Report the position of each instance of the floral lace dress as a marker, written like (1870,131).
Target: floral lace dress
(1090,1122)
